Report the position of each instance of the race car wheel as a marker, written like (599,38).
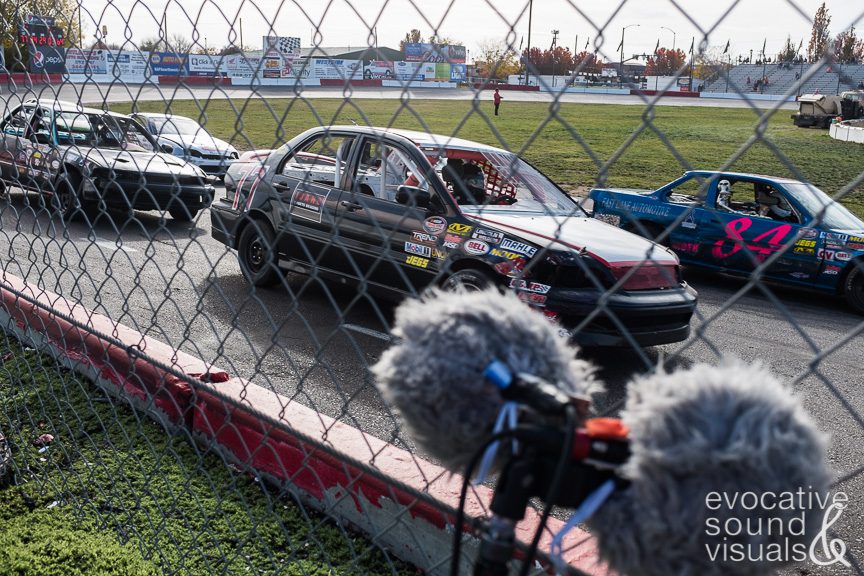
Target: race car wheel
(66,197)
(182,214)
(257,255)
(853,287)
(467,280)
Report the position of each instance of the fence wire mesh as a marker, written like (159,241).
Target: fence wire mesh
(264,210)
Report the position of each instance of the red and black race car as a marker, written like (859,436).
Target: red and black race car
(399,211)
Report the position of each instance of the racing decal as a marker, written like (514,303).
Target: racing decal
(514,246)
(511,268)
(451,245)
(734,241)
(854,246)
(690,221)
(809,233)
(532,298)
(439,254)
(825,254)
(435,225)
(529,286)
(831,270)
(418,249)
(459,229)
(309,202)
(417,261)
(856,239)
(800,275)
(453,238)
(686,247)
(834,237)
(612,219)
(490,236)
(254,188)
(476,247)
(803,250)
(505,254)
(424,237)
(260,171)
(635,207)
(806,243)
(842,256)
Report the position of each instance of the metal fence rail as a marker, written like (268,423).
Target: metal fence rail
(117,223)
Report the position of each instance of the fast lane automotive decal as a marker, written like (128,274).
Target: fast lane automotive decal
(309,202)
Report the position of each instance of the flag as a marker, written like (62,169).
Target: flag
(725,50)
(621,45)
(800,44)
(587,42)
(764,43)
(692,43)
(656,48)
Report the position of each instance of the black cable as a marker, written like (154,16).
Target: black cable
(554,486)
(463,496)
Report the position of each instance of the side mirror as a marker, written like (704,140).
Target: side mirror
(167,148)
(413,196)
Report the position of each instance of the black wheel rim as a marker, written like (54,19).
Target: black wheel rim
(255,255)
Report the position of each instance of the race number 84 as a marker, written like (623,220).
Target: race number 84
(763,245)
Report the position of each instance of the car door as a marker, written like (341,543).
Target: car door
(17,147)
(393,244)
(306,186)
(740,239)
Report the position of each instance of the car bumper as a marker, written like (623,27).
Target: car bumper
(214,166)
(643,317)
(150,196)
(223,220)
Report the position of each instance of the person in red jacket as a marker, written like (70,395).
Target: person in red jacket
(496,99)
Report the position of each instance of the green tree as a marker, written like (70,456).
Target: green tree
(496,59)
(848,48)
(819,36)
(665,62)
(789,51)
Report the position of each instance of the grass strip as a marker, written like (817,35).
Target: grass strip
(115,493)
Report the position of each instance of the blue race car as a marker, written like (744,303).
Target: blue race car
(733,223)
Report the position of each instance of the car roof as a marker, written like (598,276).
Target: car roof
(715,173)
(66,106)
(423,139)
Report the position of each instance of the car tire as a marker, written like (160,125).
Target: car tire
(467,280)
(182,214)
(67,199)
(257,254)
(853,286)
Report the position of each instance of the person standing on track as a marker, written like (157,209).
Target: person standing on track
(496,99)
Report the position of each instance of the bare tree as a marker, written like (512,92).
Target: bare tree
(412,37)
(179,44)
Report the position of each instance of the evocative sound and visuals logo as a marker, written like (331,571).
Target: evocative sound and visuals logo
(783,524)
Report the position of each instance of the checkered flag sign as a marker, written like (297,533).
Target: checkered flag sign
(285,45)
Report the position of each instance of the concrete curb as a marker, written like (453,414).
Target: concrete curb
(316,457)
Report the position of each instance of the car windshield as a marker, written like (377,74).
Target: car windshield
(101,131)
(524,187)
(176,125)
(814,200)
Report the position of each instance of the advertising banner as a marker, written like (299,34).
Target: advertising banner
(457,72)
(88,61)
(272,67)
(239,66)
(47,59)
(282,45)
(434,53)
(167,63)
(378,69)
(442,72)
(335,69)
(202,65)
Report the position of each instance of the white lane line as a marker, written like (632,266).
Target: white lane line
(108,245)
(367,332)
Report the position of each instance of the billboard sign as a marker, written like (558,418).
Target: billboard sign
(86,61)
(378,69)
(457,72)
(167,63)
(426,52)
(202,65)
(239,66)
(333,69)
(47,59)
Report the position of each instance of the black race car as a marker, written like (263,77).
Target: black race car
(84,159)
(398,211)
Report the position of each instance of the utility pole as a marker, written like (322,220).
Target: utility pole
(552,50)
(241,36)
(527,60)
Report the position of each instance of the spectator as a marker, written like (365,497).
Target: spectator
(748,80)
(860,85)
(496,99)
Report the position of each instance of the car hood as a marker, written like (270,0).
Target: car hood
(141,162)
(604,242)
(201,141)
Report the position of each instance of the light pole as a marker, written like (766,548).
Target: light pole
(528,58)
(554,45)
(621,64)
(674,36)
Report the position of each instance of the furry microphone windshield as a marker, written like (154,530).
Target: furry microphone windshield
(715,452)
(433,373)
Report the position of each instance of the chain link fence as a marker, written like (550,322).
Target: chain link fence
(150,202)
